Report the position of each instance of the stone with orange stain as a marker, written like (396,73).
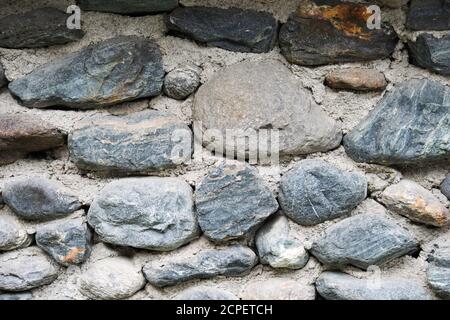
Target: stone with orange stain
(356,79)
(411,200)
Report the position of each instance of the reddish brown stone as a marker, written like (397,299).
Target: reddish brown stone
(356,79)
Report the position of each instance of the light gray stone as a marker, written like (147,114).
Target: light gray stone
(16,296)
(205,293)
(182,82)
(13,234)
(438,272)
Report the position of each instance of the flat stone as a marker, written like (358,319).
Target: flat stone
(35,198)
(438,272)
(67,241)
(182,82)
(413,201)
(232,201)
(21,134)
(363,240)
(137,143)
(111,279)
(314,191)
(431,53)
(336,32)
(341,286)
(409,126)
(231,261)
(429,15)
(205,293)
(356,79)
(16,296)
(146,213)
(231,29)
(445,187)
(13,235)
(278,289)
(25,269)
(120,69)
(129,7)
(254,99)
(3,79)
(277,248)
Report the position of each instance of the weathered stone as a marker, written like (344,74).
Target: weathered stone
(111,279)
(438,272)
(431,53)
(413,201)
(121,69)
(16,296)
(429,15)
(182,82)
(205,293)
(445,187)
(277,248)
(21,134)
(39,199)
(341,286)
(67,241)
(137,143)
(278,289)
(147,213)
(362,241)
(37,28)
(231,261)
(26,269)
(356,79)
(128,7)
(327,31)
(230,29)
(13,234)
(315,191)
(252,99)
(3,79)
(232,201)
(410,125)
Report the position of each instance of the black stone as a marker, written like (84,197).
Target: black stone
(128,7)
(431,53)
(429,15)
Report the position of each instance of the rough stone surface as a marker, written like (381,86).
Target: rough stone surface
(445,186)
(251,97)
(128,7)
(363,240)
(341,286)
(147,213)
(182,82)
(3,79)
(66,241)
(16,296)
(232,200)
(25,269)
(111,279)
(37,28)
(429,15)
(13,234)
(410,125)
(415,202)
(431,53)
(438,272)
(231,261)
(356,79)
(120,69)
(205,293)
(277,248)
(231,29)
(315,191)
(278,289)
(336,32)
(137,143)
(39,199)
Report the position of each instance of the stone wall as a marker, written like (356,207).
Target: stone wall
(91,190)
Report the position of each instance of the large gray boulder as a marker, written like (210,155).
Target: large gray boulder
(128,7)
(431,53)
(438,272)
(13,234)
(146,213)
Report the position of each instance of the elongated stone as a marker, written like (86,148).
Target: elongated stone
(13,234)
(327,31)
(231,29)
(409,125)
(431,53)
(230,261)
(3,79)
(438,272)
(356,79)
(147,213)
(362,241)
(445,186)
(128,7)
(429,15)
(138,143)
(120,69)
(205,293)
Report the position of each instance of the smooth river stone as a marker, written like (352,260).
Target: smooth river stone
(431,53)
(429,15)
(128,7)
(438,272)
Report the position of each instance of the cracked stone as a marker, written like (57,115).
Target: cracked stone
(431,53)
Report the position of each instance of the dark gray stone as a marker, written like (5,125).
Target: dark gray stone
(13,234)
(230,261)
(438,272)
(445,187)
(431,53)
(341,286)
(128,7)
(16,296)
(315,191)
(3,79)
(232,200)
(429,15)
(328,31)
(409,125)
(205,293)
(182,82)
(147,213)
(25,269)
(121,69)
(363,240)
(66,241)
(231,29)
(138,143)
(39,199)
(37,28)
